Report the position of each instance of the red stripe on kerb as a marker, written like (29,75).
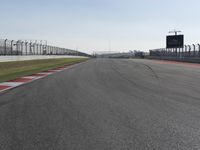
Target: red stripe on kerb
(21,80)
(3,87)
(49,71)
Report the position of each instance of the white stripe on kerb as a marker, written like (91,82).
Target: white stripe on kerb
(45,73)
(30,77)
(13,84)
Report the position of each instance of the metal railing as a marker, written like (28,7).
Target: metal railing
(20,47)
(192,51)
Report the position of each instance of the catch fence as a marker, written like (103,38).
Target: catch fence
(192,51)
(20,47)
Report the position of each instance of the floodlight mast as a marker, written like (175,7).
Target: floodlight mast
(175,31)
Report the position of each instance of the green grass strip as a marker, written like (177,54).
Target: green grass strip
(13,70)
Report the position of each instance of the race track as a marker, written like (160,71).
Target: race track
(106,104)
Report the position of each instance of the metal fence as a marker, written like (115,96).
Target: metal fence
(192,51)
(20,47)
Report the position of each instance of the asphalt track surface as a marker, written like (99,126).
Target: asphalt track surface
(105,104)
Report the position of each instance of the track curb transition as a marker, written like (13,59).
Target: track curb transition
(11,84)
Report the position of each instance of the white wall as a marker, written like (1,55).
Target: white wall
(34,57)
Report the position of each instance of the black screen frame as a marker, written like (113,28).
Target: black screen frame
(175,41)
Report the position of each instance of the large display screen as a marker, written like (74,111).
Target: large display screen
(176,41)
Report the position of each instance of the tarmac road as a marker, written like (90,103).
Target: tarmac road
(105,104)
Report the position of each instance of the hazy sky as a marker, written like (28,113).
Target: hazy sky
(90,25)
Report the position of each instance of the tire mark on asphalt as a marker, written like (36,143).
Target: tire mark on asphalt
(115,68)
(162,91)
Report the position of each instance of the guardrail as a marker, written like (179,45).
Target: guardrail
(12,47)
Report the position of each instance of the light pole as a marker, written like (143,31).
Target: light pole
(5,45)
(41,49)
(17,47)
(185,53)
(189,50)
(11,44)
(194,49)
(26,45)
(22,47)
(30,47)
(198,50)
(45,48)
(35,46)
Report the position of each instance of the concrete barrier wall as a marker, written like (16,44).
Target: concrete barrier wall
(34,57)
(183,59)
